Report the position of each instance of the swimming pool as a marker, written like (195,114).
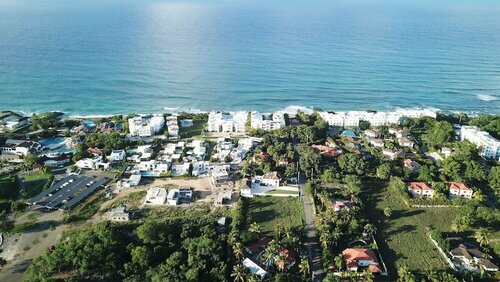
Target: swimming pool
(53,142)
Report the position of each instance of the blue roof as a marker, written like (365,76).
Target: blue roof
(348,133)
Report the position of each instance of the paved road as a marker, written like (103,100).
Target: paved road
(313,245)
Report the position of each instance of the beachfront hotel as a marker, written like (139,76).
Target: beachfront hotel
(146,126)
(353,118)
(489,147)
(268,122)
(227,122)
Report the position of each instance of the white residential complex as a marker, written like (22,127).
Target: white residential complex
(231,122)
(488,146)
(172,126)
(352,118)
(268,122)
(146,126)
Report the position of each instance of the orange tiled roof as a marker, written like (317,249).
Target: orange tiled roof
(419,186)
(457,186)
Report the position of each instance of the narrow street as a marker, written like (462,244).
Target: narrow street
(313,245)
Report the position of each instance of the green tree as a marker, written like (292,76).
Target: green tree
(141,256)
(384,171)
(328,176)
(482,236)
(352,164)
(494,179)
(438,134)
(405,275)
(240,273)
(310,160)
(353,184)
(426,173)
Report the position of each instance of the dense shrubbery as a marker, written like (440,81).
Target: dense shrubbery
(180,249)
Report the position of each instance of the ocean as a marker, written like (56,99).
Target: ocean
(89,57)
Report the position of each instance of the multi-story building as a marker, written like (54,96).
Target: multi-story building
(146,126)
(270,122)
(232,122)
(352,118)
(489,147)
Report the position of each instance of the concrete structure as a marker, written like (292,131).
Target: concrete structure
(223,198)
(119,213)
(219,175)
(132,181)
(392,154)
(489,147)
(420,190)
(411,165)
(146,126)
(255,268)
(405,142)
(179,196)
(155,196)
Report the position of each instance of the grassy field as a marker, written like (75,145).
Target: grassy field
(193,131)
(271,212)
(34,182)
(132,201)
(403,237)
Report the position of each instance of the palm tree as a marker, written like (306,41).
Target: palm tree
(304,266)
(405,275)
(255,228)
(432,275)
(339,262)
(481,236)
(280,262)
(325,239)
(367,276)
(387,212)
(270,252)
(238,250)
(239,273)
(478,196)
(370,229)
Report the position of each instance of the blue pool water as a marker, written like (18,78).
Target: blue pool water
(121,56)
(52,141)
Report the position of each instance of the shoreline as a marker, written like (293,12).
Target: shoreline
(288,108)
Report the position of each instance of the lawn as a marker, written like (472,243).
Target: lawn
(34,183)
(271,212)
(192,131)
(403,237)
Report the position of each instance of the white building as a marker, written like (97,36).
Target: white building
(458,189)
(268,122)
(20,147)
(200,168)
(146,126)
(91,163)
(116,156)
(352,118)
(271,179)
(172,126)
(152,168)
(489,147)
(156,196)
(179,196)
(132,181)
(219,175)
(180,169)
(232,122)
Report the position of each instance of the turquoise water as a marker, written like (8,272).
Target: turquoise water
(109,56)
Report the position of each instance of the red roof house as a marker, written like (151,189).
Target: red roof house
(360,257)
